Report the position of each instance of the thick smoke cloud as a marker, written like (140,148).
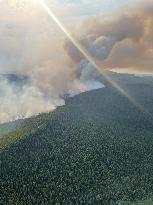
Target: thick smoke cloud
(32,45)
(29,47)
(123,40)
(29,101)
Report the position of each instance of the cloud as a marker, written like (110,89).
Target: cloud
(32,45)
(29,47)
(88,7)
(124,40)
(27,102)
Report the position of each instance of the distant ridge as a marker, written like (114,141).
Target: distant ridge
(15,79)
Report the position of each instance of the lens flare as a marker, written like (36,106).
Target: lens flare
(87,55)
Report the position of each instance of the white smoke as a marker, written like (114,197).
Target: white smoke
(32,45)
(29,47)
(20,104)
(84,86)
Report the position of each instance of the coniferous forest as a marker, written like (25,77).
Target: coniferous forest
(97,149)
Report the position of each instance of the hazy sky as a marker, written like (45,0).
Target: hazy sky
(24,22)
(117,36)
(90,7)
(69,11)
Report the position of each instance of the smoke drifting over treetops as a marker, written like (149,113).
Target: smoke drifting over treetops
(28,46)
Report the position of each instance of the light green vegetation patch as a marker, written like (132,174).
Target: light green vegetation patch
(14,131)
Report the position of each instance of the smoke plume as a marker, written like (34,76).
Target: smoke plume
(34,48)
(123,40)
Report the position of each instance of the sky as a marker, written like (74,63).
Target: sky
(25,29)
(116,34)
(24,21)
(89,7)
(69,9)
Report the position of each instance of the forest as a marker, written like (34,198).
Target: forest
(97,149)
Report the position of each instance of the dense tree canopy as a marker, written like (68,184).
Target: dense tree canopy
(97,149)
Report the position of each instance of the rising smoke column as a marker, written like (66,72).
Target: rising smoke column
(124,40)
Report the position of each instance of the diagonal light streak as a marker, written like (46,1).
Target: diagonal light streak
(86,54)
